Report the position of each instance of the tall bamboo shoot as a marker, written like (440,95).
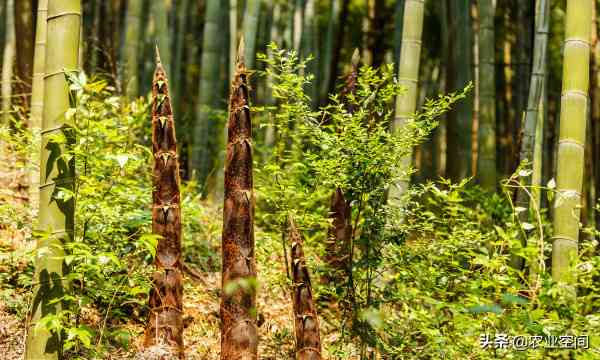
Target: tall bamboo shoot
(239,332)
(306,320)
(165,324)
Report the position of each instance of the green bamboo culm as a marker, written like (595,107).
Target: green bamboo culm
(250,28)
(330,36)
(486,159)
(160,12)
(571,143)
(178,68)
(131,49)
(205,131)
(37,101)
(56,214)
(458,75)
(532,117)
(233,35)
(408,77)
(8,63)
(398,19)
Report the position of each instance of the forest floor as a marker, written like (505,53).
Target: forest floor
(201,296)
(201,336)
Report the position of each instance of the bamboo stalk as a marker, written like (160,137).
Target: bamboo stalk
(132,48)
(332,29)
(178,58)
(233,36)
(297,24)
(532,114)
(408,77)
(56,215)
(25,36)
(37,102)
(204,132)
(571,143)
(306,320)
(8,63)
(486,159)
(459,74)
(250,29)
(239,332)
(165,324)
(160,11)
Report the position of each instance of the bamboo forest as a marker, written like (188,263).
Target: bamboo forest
(299,179)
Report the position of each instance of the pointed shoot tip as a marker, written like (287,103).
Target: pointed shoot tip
(355,57)
(241,50)
(157,54)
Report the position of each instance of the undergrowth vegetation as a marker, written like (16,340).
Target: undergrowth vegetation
(425,280)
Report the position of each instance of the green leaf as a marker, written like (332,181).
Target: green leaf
(513,299)
(479,309)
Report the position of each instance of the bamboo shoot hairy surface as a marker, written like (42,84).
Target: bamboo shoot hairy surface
(306,320)
(239,331)
(573,112)
(165,324)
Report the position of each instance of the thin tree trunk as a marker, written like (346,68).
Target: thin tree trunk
(332,30)
(239,332)
(250,28)
(178,62)
(275,36)
(459,130)
(25,35)
(95,36)
(298,23)
(3,10)
(524,38)
(56,216)
(337,50)
(408,77)
(132,48)
(378,33)
(8,64)
(398,21)
(165,324)
(476,97)
(505,141)
(306,319)
(572,138)
(37,102)
(530,128)
(206,135)
(310,47)
(486,159)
